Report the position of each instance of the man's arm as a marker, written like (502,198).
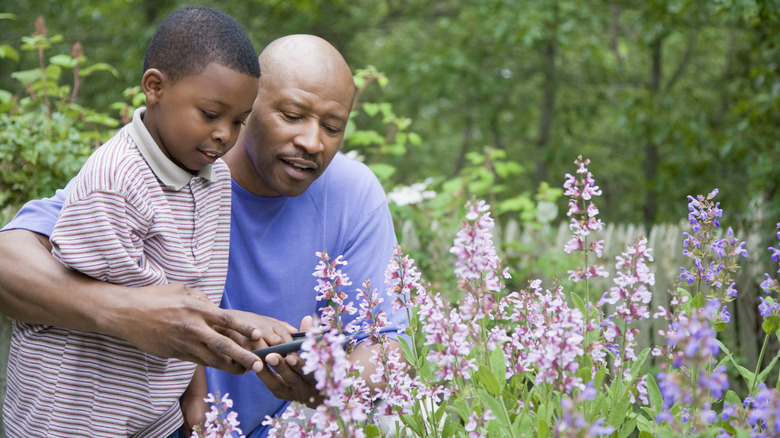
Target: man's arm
(168,320)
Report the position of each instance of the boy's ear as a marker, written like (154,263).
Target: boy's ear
(152,85)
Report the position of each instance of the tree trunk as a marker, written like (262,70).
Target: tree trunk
(651,149)
(548,99)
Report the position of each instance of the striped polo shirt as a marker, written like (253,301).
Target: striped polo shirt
(133,218)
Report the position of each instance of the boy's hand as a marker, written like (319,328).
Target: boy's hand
(271,331)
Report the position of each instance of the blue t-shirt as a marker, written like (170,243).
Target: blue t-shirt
(273,241)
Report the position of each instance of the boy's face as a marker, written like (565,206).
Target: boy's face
(198,118)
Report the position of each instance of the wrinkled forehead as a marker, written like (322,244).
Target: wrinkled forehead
(320,80)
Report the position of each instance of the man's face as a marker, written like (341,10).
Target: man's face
(294,131)
(199,117)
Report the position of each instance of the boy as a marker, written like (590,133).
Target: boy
(151,206)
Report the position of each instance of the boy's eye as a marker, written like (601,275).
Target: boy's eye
(209,114)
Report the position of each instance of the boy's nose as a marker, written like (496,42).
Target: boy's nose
(222,134)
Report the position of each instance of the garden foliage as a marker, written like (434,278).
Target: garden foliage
(47,135)
(544,361)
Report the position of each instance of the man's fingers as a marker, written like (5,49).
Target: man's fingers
(229,320)
(229,351)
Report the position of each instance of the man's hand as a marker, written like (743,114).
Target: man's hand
(285,379)
(168,320)
(284,376)
(177,321)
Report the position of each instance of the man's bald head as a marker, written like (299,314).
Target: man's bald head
(311,55)
(298,120)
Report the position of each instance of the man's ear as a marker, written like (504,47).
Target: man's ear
(152,84)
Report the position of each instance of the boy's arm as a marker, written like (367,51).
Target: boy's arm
(193,406)
(168,320)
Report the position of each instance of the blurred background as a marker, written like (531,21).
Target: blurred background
(492,99)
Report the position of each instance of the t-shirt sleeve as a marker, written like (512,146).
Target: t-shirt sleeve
(40,215)
(370,251)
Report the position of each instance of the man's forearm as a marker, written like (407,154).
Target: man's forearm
(36,288)
(169,320)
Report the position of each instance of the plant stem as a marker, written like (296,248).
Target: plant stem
(758,364)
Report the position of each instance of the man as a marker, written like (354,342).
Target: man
(293,195)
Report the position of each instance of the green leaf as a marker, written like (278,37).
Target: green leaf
(618,415)
(578,302)
(644,424)
(685,304)
(382,171)
(100,66)
(732,398)
(440,411)
(498,367)
(697,302)
(371,109)
(640,361)
(5,96)
(413,423)
(719,326)
(406,350)
(762,375)
(415,139)
(488,380)
(627,428)
(496,407)
(27,76)
(7,51)
(63,60)
(744,372)
(771,324)
(654,394)
(461,409)
(372,431)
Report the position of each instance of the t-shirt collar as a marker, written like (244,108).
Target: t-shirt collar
(170,174)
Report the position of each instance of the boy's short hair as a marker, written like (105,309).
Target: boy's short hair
(191,38)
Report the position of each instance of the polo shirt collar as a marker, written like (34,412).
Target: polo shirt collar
(168,172)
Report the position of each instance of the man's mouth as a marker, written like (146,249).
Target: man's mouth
(299,169)
(304,165)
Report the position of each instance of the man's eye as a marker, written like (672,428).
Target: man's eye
(289,116)
(332,129)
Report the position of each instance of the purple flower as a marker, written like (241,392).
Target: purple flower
(474,247)
(220,420)
(767,308)
(330,280)
(717,382)
(765,416)
(583,212)
(714,259)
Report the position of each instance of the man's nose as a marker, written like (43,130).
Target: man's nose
(309,137)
